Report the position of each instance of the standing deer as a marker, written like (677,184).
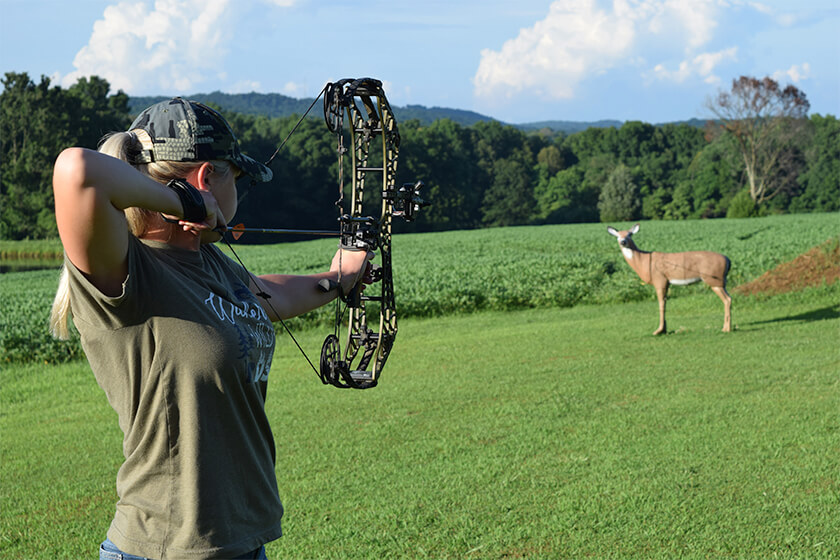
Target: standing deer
(664,269)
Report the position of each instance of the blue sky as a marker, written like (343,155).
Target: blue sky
(515,60)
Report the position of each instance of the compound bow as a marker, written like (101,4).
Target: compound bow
(375,142)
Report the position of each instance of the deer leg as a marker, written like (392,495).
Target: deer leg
(661,295)
(727,307)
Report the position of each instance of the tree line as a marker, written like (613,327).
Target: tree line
(483,175)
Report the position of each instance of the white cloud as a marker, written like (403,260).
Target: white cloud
(172,45)
(581,39)
(573,41)
(760,7)
(795,73)
(702,65)
(294,89)
(690,21)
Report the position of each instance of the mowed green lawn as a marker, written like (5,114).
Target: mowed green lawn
(544,433)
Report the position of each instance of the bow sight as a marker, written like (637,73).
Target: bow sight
(407,201)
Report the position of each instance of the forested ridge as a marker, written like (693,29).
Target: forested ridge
(278,105)
(481,174)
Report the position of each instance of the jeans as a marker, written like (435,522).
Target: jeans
(109,551)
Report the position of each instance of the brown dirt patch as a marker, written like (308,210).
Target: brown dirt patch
(818,265)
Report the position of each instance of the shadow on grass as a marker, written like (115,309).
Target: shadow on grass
(830,312)
(751,234)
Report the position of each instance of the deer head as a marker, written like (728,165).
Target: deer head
(624,237)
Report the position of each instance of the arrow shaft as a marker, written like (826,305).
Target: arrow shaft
(287,231)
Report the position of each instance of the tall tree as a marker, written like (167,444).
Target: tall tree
(619,199)
(821,179)
(34,126)
(442,155)
(37,121)
(767,122)
(95,112)
(510,199)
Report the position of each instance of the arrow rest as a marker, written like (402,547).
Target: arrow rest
(359,233)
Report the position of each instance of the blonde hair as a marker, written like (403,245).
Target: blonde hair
(126,146)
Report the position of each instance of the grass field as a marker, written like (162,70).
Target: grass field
(554,432)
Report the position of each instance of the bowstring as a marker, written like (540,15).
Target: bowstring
(262,293)
(294,128)
(267,298)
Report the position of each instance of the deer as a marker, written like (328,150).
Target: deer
(663,269)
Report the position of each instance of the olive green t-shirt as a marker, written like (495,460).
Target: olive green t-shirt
(183,356)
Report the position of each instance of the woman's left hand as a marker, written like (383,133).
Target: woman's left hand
(351,266)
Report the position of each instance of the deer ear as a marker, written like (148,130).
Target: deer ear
(612,231)
(635,229)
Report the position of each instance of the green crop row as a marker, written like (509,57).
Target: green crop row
(30,249)
(24,319)
(501,269)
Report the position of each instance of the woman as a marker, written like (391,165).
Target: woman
(174,332)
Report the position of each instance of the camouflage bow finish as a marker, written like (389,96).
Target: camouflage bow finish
(375,141)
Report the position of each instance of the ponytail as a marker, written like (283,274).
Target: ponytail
(59,325)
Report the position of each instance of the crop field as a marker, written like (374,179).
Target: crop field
(526,411)
(468,271)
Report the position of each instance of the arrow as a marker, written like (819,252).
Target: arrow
(240,229)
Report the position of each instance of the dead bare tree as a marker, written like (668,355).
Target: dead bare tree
(764,119)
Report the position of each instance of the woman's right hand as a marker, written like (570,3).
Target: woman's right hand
(214,225)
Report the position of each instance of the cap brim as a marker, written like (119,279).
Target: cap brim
(253,168)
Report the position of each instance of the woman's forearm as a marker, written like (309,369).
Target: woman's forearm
(114,180)
(293,295)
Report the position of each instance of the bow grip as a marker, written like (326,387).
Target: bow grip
(352,299)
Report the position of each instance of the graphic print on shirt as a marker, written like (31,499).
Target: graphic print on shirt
(256,334)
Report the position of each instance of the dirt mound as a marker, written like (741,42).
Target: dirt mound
(818,265)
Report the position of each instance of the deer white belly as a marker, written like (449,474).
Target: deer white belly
(683,281)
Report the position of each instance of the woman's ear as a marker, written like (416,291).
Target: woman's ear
(200,176)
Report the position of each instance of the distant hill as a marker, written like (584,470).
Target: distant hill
(427,115)
(269,104)
(569,127)
(698,123)
(275,105)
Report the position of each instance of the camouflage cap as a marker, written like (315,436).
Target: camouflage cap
(183,130)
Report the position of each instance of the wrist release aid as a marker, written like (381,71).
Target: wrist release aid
(191,200)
